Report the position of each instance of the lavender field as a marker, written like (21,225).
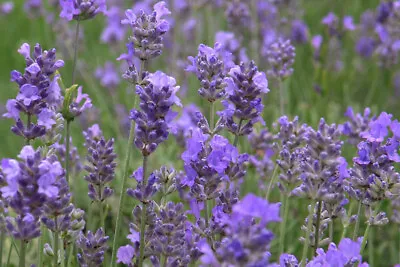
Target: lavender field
(200,133)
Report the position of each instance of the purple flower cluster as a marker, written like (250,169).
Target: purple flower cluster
(243,106)
(31,184)
(157,96)
(93,247)
(39,94)
(211,66)
(148,31)
(101,164)
(81,9)
(280,56)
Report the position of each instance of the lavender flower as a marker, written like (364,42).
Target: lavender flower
(238,15)
(101,167)
(38,94)
(280,56)
(182,127)
(79,104)
(299,32)
(157,97)
(6,8)
(229,42)
(92,248)
(81,9)
(245,241)
(243,106)
(321,162)
(113,33)
(346,254)
(211,66)
(357,124)
(148,32)
(31,183)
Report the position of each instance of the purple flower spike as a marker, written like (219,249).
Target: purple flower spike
(92,248)
(243,106)
(280,56)
(81,9)
(153,119)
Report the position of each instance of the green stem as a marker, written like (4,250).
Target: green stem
(281,98)
(206,216)
(212,116)
(101,209)
(286,204)
(357,226)
(237,133)
(371,259)
(2,237)
(122,194)
(22,252)
(28,126)
(319,210)
(331,230)
(307,236)
(40,248)
(75,50)
(346,226)
(163,261)
(271,182)
(143,216)
(56,241)
(9,255)
(125,176)
(67,144)
(367,230)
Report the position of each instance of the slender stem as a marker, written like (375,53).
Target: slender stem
(271,182)
(163,261)
(101,215)
(357,226)
(237,133)
(124,178)
(281,98)
(143,216)
(371,259)
(206,216)
(286,204)
(367,230)
(75,50)
(22,252)
(70,257)
(56,241)
(331,230)
(2,237)
(67,250)
(28,126)
(40,248)
(67,141)
(9,254)
(212,116)
(307,237)
(122,193)
(346,226)
(319,210)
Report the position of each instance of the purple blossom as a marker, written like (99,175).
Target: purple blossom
(157,97)
(113,33)
(280,56)
(299,32)
(108,75)
(125,254)
(92,247)
(148,32)
(81,103)
(6,8)
(211,66)
(378,128)
(243,106)
(81,9)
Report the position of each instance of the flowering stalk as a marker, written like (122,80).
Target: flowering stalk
(367,230)
(56,241)
(123,188)
(317,225)
(67,148)
(307,236)
(286,204)
(22,252)
(357,226)
(143,216)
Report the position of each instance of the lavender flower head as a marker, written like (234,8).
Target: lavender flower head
(211,66)
(101,164)
(157,97)
(92,248)
(280,56)
(81,9)
(238,15)
(357,124)
(320,163)
(30,185)
(113,33)
(246,241)
(148,31)
(243,107)
(373,176)
(39,93)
